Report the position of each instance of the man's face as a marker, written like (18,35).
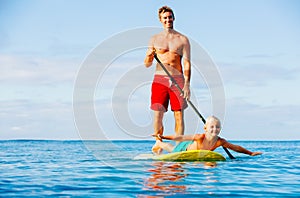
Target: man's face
(167,19)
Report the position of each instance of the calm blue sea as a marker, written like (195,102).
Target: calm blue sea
(106,169)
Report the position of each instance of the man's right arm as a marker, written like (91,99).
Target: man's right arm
(149,54)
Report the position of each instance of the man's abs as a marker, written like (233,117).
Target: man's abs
(172,62)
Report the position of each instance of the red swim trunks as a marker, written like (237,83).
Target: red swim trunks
(163,91)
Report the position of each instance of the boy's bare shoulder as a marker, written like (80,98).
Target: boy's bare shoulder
(224,142)
(199,136)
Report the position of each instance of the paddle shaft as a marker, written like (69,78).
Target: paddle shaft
(188,101)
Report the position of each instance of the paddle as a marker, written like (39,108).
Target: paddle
(188,101)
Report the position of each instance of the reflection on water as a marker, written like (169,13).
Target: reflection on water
(169,177)
(166,177)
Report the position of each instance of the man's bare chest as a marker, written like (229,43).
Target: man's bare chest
(169,44)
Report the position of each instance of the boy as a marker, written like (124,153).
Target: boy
(209,140)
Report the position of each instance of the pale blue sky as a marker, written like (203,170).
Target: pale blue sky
(254,44)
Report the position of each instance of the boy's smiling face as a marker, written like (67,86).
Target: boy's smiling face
(212,128)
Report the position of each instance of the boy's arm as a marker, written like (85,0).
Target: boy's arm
(177,137)
(238,148)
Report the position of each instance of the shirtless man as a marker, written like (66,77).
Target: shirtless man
(172,48)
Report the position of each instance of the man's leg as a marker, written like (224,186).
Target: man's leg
(165,146)
(179,122)
(158,129)
(158,122)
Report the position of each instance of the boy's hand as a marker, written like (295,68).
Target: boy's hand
(256,153)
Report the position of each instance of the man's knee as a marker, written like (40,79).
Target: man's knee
(178,116)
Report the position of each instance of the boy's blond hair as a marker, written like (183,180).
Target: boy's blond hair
(213,118)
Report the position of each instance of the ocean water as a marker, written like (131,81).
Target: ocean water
(31,168)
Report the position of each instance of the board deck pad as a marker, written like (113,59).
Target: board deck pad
(191,155)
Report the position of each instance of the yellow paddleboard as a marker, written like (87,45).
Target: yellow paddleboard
(191,155)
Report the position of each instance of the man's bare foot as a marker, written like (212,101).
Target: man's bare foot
(156,149)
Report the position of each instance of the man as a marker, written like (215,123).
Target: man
(172,49)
